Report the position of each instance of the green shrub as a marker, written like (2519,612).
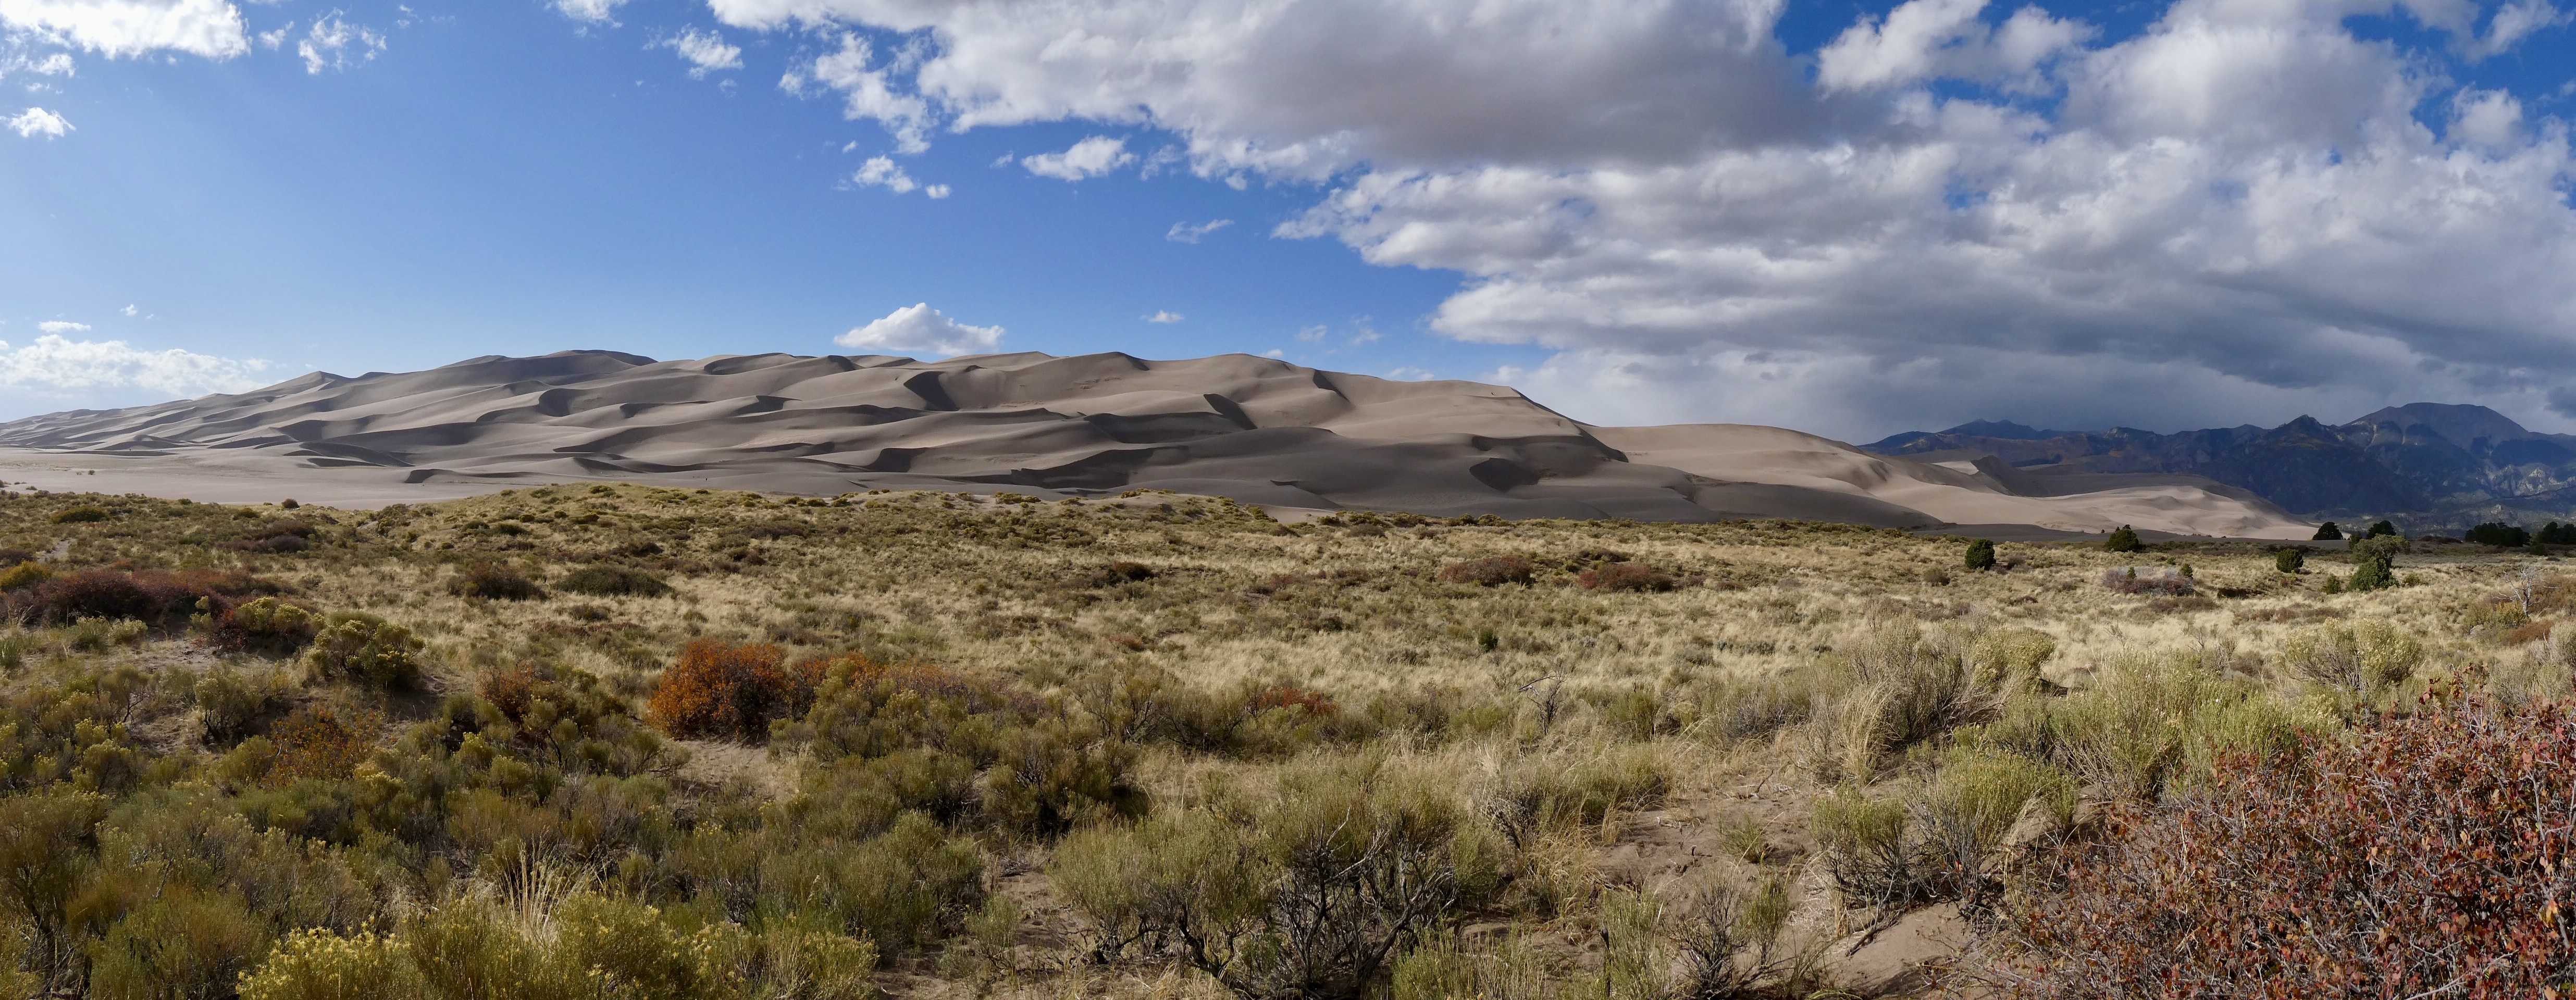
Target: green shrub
(614,581)
(232,706)
(24,575)
(179,944)
(2123,540)
(2377,555)
(356,646)
(2494,533)
(80,515)
(1981,555)
(265,625)
(320,965)
(2358,662)
(2290,560)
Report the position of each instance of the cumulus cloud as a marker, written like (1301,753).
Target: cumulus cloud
(706,51)
(1091,157)
(2512,23)
(34,122)
(590,11)
(920,329)
(1187,232)
(62,365)
(334,44)
(117,28)
(868,90)
(62,326)
(880,171)
(1163,316)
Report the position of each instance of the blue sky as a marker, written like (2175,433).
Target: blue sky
(1849,218)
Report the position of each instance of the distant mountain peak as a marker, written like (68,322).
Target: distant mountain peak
(2458,423)
(2004,429)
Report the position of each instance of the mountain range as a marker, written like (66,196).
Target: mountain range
(1259,430)
(2425,465)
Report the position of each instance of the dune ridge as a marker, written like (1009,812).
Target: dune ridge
(1256,429)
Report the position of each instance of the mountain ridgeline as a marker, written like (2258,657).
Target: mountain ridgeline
(2427,465)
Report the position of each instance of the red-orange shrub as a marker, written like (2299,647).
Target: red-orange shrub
(1315,703)
(2427,856)
(1490,572)
(316,743)
(717,689)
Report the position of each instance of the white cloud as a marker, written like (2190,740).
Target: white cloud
(920,329)
(1275,353)
(1185,232)
(936,191)
(881,172)
(1410,374)
(15,59)
(54,363)
(117,28)
(34,122)
(129,309)
(333,42)
(1945,38)
(867,93)
(589,11)
(2514,22)
(1091,157)
(1311,335)
(706,51)
(1163,316)
(62,326)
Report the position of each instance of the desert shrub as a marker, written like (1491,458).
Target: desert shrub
(614,581)
(317,743)
(264,625)
(154,597)
(231,706)
(2127,581)
(1625,576)
(320,965)
(2152,723)
(1728,941)
(1903,691)
(79,515)
(2359,662)
(1038,769)
(178,944)
(1981,555)
(2123,540)
(493,581)
(45,862)
(2418,858)
(723,690)
(1313,894)
(1999,655)
(2377,555)
(2290,560)
(24,575)
(356,646)
(1527,797)
(1493,571)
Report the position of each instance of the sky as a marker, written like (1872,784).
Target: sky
(1847,218)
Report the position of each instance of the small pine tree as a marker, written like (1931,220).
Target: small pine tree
(2379,528)
(2186,571)
(1981,555)
(2123,540)
(2290,560)
(2334,584)
(2327,532)
(2372,575)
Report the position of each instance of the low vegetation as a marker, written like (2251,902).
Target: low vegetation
(619,741)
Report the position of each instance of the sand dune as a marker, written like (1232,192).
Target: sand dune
(1260,430)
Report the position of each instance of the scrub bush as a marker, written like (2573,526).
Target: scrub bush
(614,581)
(2424,856)
(493,581)
(1490,572)
(1981,555)
(356,646)
(717,689)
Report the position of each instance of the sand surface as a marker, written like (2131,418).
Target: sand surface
(1259,430)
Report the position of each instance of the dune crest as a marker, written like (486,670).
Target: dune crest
(1257,429)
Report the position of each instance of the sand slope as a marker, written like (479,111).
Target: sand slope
(1257,429)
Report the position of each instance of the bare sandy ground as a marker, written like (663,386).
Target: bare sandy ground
(1256,429)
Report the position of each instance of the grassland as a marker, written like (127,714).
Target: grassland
(1148,746)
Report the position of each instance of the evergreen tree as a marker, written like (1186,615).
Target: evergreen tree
(2289,560)
(2382,528)
(2327,532)
(2123,540)
(1981,554)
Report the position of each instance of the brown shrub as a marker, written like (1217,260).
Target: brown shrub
(496,582)
(2127,581)
(154,597)
(1625,576)
(2424,856)
(1284,696)
(717,689)
(1490,572)
(316,743)
(2529,632)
